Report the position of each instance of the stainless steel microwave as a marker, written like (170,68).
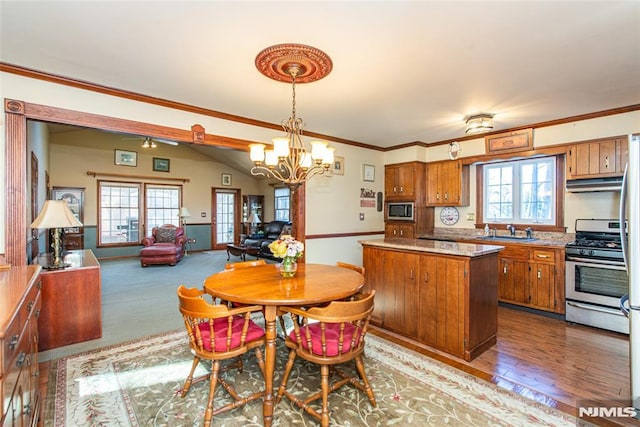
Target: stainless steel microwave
(400,211)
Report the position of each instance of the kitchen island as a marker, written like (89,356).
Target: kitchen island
(442,294)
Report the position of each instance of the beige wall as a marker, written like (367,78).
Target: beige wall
(333,204)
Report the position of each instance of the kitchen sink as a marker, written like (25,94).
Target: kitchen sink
(509,238)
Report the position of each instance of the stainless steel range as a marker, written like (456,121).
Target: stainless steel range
(595,276)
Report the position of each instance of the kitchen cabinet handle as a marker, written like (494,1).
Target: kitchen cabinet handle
(13,342)
(20,360)
(411,274)
(504,270)
(543,256)
(437,196)
(402,232)
(606,162)
(401,189)
(539,274)
(446,196)
(426,276)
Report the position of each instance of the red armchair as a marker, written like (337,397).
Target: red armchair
(165,246)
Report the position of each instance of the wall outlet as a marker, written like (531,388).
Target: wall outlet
(191,240)
(471,216)
(361,216)
(203,214)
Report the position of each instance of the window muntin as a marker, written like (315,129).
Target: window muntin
(520,192)
(282,197)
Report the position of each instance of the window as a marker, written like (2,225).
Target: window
(282,198)
(225,214)
(121,207)
(521,192)
(163,205)
(119,213)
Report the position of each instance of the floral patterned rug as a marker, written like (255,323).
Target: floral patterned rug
(137,384)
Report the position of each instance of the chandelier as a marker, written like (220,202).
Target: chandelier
(288,160)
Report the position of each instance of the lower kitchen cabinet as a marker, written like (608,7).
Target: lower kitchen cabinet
(448,302)
(532,276)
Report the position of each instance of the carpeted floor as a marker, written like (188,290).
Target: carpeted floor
(136,384)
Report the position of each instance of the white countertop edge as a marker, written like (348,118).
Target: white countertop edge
(434,246)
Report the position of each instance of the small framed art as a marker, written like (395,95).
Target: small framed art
(338,166)
(126,158)
(160,165)
(368,173)
(226,179)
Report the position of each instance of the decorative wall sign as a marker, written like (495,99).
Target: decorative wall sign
(509,142)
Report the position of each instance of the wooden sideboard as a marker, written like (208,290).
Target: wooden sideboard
(19,310)
(71,301)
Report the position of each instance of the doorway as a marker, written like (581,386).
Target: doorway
(225,221)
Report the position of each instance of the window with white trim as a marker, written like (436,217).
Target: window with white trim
(520,192)
(282,197)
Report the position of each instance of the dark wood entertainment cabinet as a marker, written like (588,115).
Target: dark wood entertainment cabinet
(71,301)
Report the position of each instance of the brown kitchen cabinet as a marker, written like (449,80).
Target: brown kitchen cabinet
(598,158)
(531,276)
(71,301)
(447,183)
(448,302)
(401,181)
(400,229)
(20,305)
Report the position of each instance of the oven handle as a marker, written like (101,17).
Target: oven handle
(593,308)
(598,263)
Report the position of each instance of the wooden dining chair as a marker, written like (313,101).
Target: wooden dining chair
(244,264)
(357,268)
(218,333)
(329,336)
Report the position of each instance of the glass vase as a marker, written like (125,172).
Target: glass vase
(288,267)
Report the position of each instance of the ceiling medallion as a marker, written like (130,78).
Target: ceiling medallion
(276,62)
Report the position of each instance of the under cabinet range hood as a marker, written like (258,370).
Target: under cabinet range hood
(585,185)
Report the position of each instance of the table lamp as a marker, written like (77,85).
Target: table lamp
(254,220)
(57,215)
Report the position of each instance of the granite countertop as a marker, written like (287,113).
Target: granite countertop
(542,239)
(434,246)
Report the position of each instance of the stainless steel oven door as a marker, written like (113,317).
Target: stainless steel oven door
(593,282)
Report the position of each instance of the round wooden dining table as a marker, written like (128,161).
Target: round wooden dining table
(263,285)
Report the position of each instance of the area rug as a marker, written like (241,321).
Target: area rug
(138,383)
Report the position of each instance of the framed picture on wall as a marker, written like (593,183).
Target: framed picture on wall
(226,179)
(338,166)
(126,158)
(368,173)
(74,198)
(160,165)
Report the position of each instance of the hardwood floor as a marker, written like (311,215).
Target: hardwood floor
(548,360)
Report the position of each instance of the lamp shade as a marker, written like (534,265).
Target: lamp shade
(55,214)
(254,218)
(184,212)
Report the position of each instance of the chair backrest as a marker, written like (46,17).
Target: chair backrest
(336,330)
(244,264)
(216,331)
(168,233)
(358,268)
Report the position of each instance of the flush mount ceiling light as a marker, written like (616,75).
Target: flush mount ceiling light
(479,123)
(288,160)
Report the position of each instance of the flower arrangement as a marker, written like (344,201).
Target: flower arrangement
(289,249)
(286,247)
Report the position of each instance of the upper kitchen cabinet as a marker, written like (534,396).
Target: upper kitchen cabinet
(598,158)
(447,183)
(403,181)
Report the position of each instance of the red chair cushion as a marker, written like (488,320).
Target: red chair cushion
(220,326)
(332,337)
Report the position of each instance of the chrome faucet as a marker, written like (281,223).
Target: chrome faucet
(511,229)
(529,232)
